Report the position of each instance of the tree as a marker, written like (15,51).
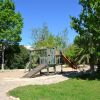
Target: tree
(43,38)
(11,24)
(62,40)
(88,28)
(71,51)
(40,35)
(18,57)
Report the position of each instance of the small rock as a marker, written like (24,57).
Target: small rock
(13,98)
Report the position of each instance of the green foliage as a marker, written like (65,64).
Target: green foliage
(87,26)
(83,43)
(11,22)
(77,55)
(71,51)
(16,57)
(67,90)
(42,38)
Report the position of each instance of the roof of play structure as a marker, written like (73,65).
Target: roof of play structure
(40,49)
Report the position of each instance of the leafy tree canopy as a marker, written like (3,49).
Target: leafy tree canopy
(43,38)
(11,22)
(88,23)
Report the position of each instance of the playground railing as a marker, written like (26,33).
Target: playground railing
(43,60)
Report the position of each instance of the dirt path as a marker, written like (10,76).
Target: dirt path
(12,79)
(10,83)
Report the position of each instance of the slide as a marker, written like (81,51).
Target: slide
(66,59)
(35,71)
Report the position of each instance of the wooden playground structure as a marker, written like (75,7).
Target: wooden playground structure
(46,58)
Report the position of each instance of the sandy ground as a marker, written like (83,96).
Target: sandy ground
(10,79)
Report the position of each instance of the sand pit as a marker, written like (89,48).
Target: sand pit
(10,79)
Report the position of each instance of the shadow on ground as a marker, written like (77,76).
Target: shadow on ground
(82,75)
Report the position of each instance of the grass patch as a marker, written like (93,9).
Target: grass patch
(67,90)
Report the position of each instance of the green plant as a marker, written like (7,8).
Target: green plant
(88,31)
(18,57)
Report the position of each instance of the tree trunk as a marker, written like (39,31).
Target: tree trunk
(2,65)
(98,65)
(91,62)
(92,67)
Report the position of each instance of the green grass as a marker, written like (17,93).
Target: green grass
(67,90)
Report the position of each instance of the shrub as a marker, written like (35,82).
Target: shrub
(16,57)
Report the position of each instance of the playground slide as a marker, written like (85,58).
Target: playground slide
(66,59)
(35,71)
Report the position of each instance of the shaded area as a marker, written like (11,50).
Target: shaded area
(84,75)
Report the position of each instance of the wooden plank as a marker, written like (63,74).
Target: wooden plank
(66,59)
(35,71)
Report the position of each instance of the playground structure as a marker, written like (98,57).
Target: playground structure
(46,58)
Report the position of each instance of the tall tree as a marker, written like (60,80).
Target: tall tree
(11,24)
(43,38)
(40,35)
(88,28)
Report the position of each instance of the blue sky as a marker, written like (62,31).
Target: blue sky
(53,12)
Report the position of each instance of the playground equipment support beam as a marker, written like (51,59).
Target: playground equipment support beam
(61,68)
(30,60)
(54,69)
(47,70)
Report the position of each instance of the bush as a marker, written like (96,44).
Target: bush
(71,51)
(16,57)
